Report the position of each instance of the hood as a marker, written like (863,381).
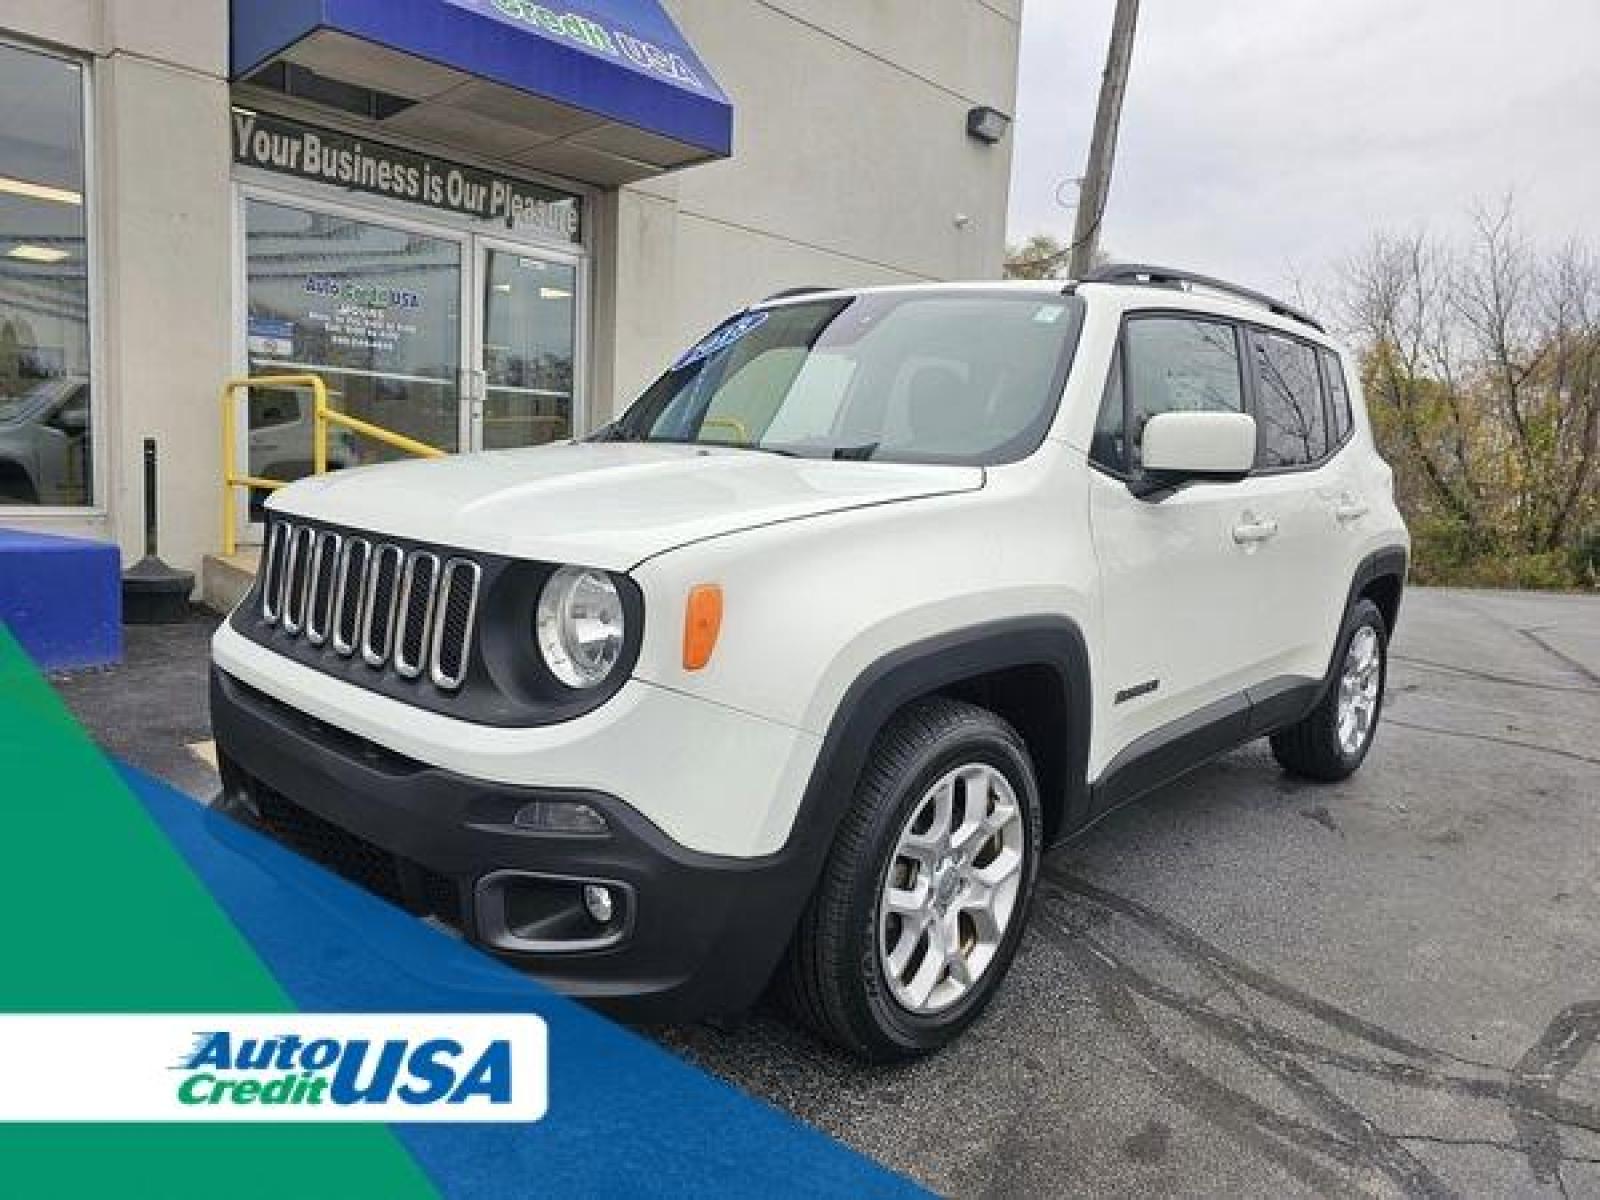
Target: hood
(603,504)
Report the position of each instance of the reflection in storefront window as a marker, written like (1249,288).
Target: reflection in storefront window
(373,309)
(530,309)
(45,427)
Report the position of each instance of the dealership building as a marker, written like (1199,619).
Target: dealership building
(481,223)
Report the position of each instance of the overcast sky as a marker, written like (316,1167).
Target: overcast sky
(1263,140)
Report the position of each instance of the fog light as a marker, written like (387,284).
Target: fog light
(598,901)
(565,817)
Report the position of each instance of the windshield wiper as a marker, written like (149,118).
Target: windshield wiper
(620,435)
(857,453)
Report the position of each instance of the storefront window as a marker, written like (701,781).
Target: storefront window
(374,309)
(45,426)
(529,321)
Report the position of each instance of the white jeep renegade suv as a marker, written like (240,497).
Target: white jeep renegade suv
(794,670)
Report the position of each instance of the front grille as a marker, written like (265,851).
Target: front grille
(415,619)
(350,583)
(398,880)
(383,587)
(323,842)
(408,609)
(324,567)
(457,612)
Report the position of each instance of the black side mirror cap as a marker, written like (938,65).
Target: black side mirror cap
(1156,486)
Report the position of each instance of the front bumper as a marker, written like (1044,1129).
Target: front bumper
(696,934)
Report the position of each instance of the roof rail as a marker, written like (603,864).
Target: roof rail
(1173,277)
(790,293)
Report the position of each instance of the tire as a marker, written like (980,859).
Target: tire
(837,977)
(1313,748)
(16,485)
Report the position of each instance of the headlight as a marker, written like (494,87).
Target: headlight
(579,626)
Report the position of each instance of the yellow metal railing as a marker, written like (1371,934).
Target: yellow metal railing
(323,415)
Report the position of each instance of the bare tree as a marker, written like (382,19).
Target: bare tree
(1482,370)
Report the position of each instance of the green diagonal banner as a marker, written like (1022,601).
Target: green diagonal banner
(100,914)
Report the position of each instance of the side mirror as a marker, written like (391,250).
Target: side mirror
(72,421)
(1187,447)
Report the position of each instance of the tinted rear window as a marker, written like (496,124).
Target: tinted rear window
(1291,423)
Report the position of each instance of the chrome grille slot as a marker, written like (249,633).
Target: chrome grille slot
(350,585)
(457,611)
(382,593)
(272,573)
(415,610)
(331,594)
(324,568)
(297,578)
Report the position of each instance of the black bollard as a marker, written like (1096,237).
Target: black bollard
(152,592)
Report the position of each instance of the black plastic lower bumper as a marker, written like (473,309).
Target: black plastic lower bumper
(693,935)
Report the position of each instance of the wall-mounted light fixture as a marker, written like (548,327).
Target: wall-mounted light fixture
(987,125)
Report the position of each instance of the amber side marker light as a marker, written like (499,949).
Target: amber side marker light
(702,621)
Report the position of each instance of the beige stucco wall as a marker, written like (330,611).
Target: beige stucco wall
(851,165)
(159,197)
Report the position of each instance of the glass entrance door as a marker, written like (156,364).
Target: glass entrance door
(459,340)
(527,343)
(374,309)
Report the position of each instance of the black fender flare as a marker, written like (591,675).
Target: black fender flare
(926,667)
(760,928)
(1389,562)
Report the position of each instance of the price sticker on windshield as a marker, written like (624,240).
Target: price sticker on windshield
(722,339)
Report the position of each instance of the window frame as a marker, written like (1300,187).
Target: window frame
(97,508)
(1242,328)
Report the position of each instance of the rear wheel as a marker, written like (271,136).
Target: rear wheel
(925,893)
(1333,740)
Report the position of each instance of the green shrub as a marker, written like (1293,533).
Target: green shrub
(1446,553)
(1586,557)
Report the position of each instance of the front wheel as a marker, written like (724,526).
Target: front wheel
(1333,740)
(923,900)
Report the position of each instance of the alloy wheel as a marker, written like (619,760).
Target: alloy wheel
(1359,685)
(952,888)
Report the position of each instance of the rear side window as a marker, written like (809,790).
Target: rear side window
(1177,364)
(1291,423)
(1338,395)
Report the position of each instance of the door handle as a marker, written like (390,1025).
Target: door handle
(1250,530)
(1349,509)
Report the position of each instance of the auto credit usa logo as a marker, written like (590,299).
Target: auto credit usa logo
(431,1067)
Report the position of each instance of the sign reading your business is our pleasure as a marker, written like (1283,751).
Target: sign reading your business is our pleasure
(287,147)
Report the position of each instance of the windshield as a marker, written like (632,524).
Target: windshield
(936,377)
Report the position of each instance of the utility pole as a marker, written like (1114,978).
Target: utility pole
(1103,146)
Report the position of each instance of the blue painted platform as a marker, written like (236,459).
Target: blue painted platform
(62,598)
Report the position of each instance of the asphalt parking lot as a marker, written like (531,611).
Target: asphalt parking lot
(1242,984)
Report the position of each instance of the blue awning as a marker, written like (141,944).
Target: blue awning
(606,90)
